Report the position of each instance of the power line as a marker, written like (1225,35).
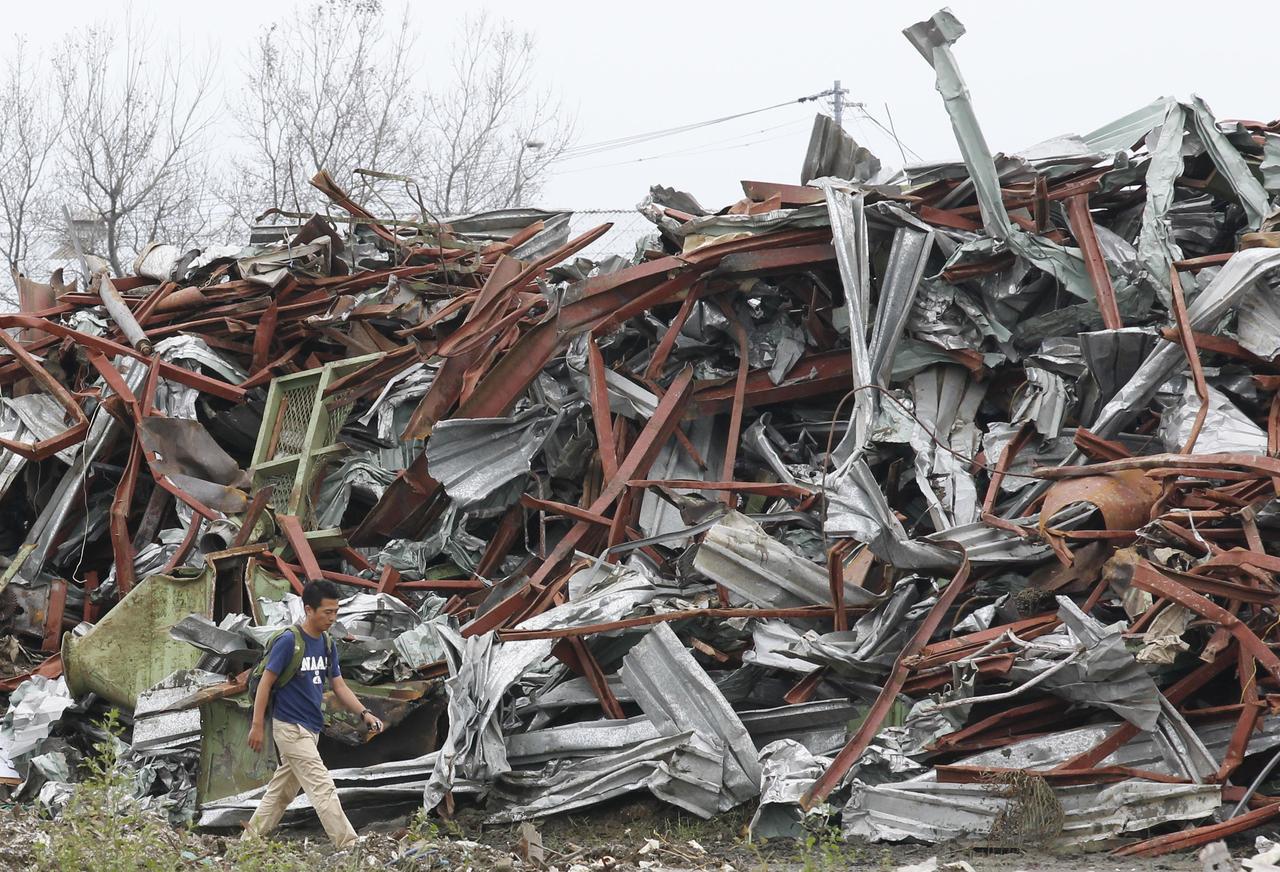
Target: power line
(689,151)
(636,138)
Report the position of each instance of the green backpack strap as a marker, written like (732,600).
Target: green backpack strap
(299,649)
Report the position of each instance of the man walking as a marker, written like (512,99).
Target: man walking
(297,716)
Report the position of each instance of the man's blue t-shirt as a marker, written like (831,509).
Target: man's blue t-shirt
(301,701)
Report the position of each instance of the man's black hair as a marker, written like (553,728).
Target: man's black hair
(317,592)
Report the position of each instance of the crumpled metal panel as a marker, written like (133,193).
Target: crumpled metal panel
(1103,673)
(787,768)
(677,696)
(853,255)
(932,812)
(857,509)
(130,649)
(907,261)
(34,707)
(1226,430)
(948,398)
(683,769)
(1128,130)
(478,458)
(481,670)
(833,152)
(578,740)
(156,725)
(1258,319)
(740,555)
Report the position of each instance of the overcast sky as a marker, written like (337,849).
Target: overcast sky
(1034,70)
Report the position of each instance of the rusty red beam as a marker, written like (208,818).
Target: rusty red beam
(849,754)
(1197,836)
(601,414)
(1146,577)
(293,533)
(53,616)
(651,440)
(1082,228)
(798,613)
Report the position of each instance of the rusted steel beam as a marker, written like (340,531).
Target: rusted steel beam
(297,539)
(121,544)
(90,611)
(184,547)
(79,427)
(799,613)
(1251,710)
(601,415)
(1010,453)
(181,375)
(1193,359)
(668,341)
(768,489)
(789,195)
(1146,577)
(503,540)
(655,434)
(569,511)
(739,401)
(959,774)
(804,689)
(1032,714)
(774,259)
(1197,836)
(849,754)
(816,374)
(50,668)
(596,679)
(1095,265)
(52,641)
(1198,464)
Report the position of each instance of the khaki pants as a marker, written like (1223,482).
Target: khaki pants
(300,767)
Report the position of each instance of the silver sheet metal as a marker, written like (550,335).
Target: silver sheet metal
(788,769)
(676,694)
(759,569)
(482,669)
(858,509)
(907,261)
(853,256)
(1226,430)
(932,812)
(947,397)
(476,458)
(1102,673)
(34,707)
(156,725)
(683,769)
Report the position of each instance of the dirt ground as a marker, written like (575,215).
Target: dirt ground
(638,835)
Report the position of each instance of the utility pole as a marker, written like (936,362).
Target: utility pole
(838,104)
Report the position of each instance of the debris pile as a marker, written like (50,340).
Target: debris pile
(933,500)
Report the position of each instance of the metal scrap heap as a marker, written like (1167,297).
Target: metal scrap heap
(934,500)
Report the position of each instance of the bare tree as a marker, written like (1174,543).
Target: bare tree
(333,88)
(493,133)
(329,88)
(133,155)
(28,133)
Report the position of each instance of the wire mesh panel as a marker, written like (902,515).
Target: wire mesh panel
(299,436)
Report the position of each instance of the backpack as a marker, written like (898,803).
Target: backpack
(290,668)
